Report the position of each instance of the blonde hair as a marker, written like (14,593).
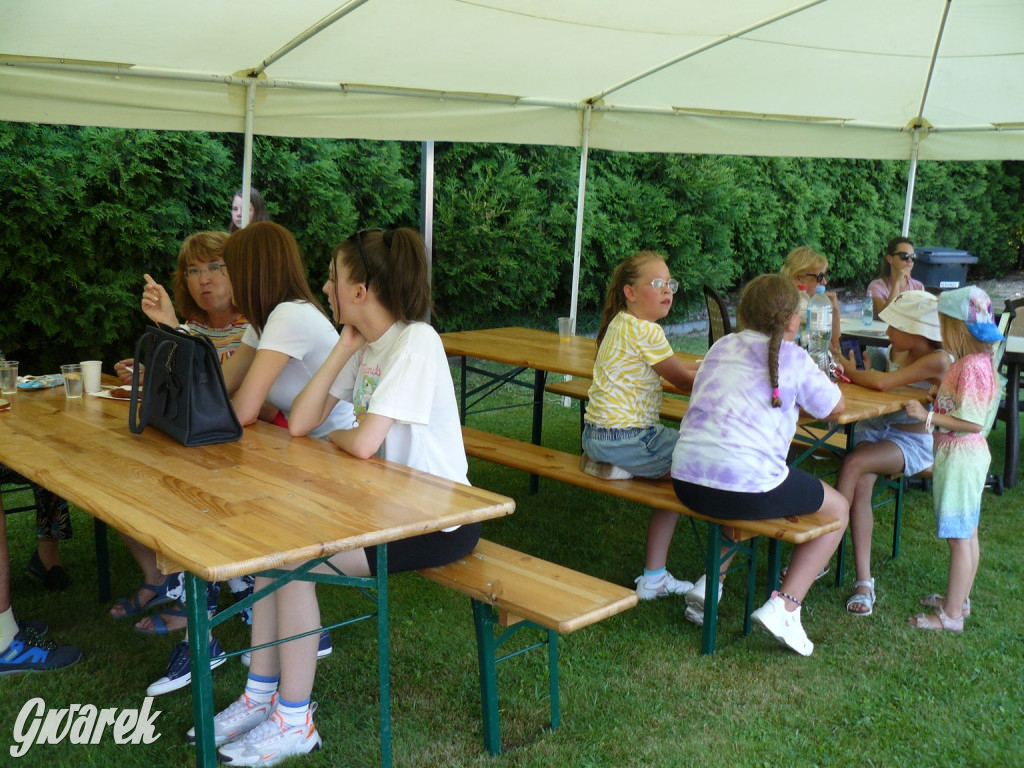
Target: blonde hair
(625,274)
(958,341)
(766,305)
(803,260)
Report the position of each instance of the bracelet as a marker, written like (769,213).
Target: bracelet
(928,427)
(792,599)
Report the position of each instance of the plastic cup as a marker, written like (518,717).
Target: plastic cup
(72,380)
(564,328)
(91,375)
(8,377)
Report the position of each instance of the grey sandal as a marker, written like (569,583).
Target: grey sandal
(859,598)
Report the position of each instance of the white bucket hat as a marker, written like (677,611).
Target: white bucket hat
(914,312)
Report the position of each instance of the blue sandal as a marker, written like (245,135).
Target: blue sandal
(160,625)
(131,604)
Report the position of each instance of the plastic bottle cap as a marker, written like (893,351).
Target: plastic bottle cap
(820,289)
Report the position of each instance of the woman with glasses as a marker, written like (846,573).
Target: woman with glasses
(897,263)
(808,269)
(623,436)
(202,291)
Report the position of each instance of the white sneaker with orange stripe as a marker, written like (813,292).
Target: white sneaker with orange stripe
(272,741)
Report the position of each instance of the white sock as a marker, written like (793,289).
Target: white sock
(293,713)
(260,689)
(8,627)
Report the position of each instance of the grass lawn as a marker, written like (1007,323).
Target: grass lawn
(635,689)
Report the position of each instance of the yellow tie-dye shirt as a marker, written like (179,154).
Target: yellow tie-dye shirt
(627,390)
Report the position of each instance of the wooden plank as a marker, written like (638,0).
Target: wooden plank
(527,587)
(564,467)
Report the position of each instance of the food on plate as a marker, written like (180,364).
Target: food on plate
(122,393)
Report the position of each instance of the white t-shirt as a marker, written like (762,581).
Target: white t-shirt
(731,438)
(404,376)
(300,330)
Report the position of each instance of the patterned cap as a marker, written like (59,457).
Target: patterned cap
(973,306)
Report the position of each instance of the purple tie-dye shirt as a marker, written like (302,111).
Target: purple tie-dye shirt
(731,438)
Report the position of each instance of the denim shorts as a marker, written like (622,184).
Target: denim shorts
(641,451)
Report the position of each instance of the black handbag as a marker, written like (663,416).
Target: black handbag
(184,394)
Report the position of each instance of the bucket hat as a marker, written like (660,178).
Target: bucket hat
(972,305)
(914,312)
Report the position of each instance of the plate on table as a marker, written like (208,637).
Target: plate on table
(40,382)
(123,393)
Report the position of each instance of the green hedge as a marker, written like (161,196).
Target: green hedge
(86,211)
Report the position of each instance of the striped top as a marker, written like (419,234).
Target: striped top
(226,339)
(627,390)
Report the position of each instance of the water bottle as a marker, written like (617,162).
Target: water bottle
(819,328)
(867,312)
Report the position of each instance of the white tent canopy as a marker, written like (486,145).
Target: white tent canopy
(846,78)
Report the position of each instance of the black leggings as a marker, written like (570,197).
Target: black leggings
(428,550)
(799,494)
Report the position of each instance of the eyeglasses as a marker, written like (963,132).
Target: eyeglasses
(211,269)
(658,284)
(905,256)
(821,277)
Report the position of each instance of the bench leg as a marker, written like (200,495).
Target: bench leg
(751,573)
(486,651)
(556,712)
(897,518)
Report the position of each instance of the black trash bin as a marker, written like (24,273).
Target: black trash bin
(944,268)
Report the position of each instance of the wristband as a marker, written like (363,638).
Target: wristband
(928,422)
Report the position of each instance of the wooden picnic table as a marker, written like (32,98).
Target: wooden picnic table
(233,509)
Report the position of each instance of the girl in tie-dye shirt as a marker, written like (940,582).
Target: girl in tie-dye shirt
(730,460)
(965,408)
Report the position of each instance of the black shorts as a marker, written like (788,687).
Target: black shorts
(428,550)
(799,494)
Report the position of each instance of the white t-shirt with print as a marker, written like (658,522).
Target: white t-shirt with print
(301,331)
(731,438)
(404,376)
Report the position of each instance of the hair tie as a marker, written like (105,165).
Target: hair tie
(776,394)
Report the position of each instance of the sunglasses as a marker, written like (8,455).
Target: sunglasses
(905,256)
(821,277)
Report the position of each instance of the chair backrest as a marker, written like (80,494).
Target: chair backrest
(1009,325)
(719,323)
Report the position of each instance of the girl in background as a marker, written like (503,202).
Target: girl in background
(808,269)
(893,443)
(965,408)
(730,460)
(897,264)
(257,209)
(623,435)
(393,367)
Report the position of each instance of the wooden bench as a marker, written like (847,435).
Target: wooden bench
(519,591)
(564,467)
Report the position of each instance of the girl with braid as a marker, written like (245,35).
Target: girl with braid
(730,460)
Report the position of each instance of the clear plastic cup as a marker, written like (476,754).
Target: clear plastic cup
(8,377)
(564,328)
(72,374)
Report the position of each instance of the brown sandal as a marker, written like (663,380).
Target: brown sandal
(946,624)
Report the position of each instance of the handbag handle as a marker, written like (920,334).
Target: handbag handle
(138,421)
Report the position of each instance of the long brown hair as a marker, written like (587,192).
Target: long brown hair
(766,305)
(259,208)
(890,250)
(200,247)
(398,272)
(266,269)
(625,274)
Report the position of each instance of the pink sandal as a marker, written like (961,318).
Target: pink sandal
(946,624)
(936,600)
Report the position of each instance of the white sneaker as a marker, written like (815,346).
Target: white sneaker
(272,741)
(242,716)
(602,469)
(649,589)
(695,601)
(783,625)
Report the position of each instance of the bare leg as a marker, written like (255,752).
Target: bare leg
(659,536)
(810,557)
(962,568)
(49,552)
(146,558)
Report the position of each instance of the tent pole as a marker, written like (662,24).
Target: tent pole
(250,110)
(911,176)
(577,249)
(427,203)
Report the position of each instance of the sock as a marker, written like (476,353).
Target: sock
(261,689)
(8,628)
(655,575)
(293,713)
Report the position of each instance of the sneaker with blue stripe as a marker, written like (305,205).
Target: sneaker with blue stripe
(31,652)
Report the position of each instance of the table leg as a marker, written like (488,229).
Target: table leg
(202,679)
(539,377)
(1010,467)
(383,656)
(99,529)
